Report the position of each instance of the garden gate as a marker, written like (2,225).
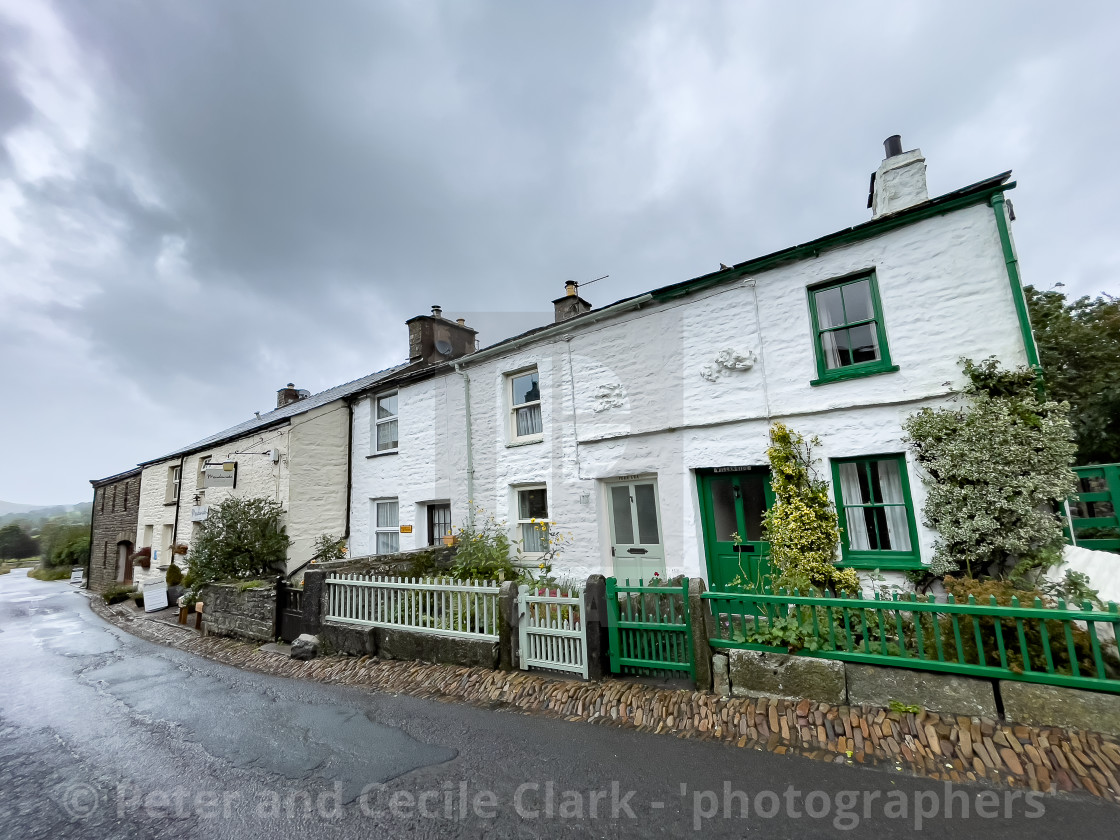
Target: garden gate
(553,629)
(1095,510)
(289,610)
(649,628)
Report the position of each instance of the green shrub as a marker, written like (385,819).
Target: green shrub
(116,594)
(56,573)
(241,539)
(174,575)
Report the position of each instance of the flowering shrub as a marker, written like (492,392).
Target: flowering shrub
(999,471)
(801,525)
(327,548)
(485,551)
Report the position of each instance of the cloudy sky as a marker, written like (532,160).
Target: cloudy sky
(203,200)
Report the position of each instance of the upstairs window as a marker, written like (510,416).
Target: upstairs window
(385,423)
(876,512)
(173,480)
(386,526)
(525,406)
(849,337)
(532,519)
(200,479)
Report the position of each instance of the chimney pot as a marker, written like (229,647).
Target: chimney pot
(437,311)
(462,322)
(893,145)
(571,288)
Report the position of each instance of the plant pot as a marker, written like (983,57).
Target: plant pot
(449,539)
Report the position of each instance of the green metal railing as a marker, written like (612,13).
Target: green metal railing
(1095,510)
(1035,643)
(648,628)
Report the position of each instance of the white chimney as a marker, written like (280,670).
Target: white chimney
(900,180)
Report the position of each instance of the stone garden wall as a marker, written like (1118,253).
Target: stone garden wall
(251,614)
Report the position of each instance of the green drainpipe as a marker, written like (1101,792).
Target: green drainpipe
(1017,295)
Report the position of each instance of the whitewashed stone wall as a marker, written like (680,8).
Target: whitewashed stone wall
(650,397)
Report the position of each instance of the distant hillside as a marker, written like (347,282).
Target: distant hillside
(33,516)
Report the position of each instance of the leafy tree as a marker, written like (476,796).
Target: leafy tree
(1079,348)
(241,539)
(999,470)
(801,525)
(16,543)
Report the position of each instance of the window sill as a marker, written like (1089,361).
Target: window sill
(896,563)
(528,441)
(171,503)
(844,374)
(383,454)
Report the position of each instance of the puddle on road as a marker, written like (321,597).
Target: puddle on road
(295,739)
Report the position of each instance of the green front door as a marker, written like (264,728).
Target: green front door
(732,504)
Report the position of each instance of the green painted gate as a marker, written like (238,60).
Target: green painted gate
(1094,511)
(649,628)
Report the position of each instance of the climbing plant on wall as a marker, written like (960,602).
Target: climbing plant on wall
(801,525)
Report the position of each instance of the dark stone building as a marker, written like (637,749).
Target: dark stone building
(116,501)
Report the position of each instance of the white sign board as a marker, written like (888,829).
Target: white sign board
(155,597)
(199,513)
(221,475)
(76,575)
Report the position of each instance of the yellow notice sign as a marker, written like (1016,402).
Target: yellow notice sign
(406,529)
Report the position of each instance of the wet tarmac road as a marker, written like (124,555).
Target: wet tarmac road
(103,735)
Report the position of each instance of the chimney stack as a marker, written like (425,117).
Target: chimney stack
(288,395)
(900,180)
(571,304)
(433,339)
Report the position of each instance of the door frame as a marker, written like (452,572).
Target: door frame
(707,514)
(636,478)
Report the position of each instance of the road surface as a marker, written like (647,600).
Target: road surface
(103,735)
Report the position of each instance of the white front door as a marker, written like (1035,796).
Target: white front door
(636,540)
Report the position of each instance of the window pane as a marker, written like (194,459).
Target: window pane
(865,344)
(646,501)
(754,505)
(532,504)
(387,407)
(889,482)
(534,537)
(623,520)
(529,421)
(386,514)
(723,505)
(830,308)
(832,342)
(857,301)
(388,542)
(387,435)
(526,388)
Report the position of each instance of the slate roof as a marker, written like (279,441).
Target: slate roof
(279,415)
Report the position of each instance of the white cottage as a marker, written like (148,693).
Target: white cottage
(297,455)
(641,428)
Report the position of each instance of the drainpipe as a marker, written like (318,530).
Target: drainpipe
(349,463)
(178,504)
(1012,263)
(470,442)
(761,346)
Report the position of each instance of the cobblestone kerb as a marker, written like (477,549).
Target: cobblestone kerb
(926,744)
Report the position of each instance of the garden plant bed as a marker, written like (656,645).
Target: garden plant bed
(925,744)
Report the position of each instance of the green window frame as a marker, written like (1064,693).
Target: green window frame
(872,493)
(859,316)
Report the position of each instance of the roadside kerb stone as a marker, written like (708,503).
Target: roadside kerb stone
(878,686)
(1045,705)
(780,676)
(926,744)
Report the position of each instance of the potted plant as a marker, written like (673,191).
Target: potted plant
(142,558)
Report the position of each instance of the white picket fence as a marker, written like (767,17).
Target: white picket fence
(438,606)
(552,629)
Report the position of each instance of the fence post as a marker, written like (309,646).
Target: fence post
(313,594)
(598,629)
(698,630)
(509,658)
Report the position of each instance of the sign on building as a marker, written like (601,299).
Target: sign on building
(199,513)
(221,475)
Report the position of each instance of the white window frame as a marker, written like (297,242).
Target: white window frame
(377,530)
(203,463)
(174,483)
(533,521)
(514,407)
(378,422)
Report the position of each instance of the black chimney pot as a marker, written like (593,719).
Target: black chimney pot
(893,145)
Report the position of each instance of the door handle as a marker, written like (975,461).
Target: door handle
(637,550)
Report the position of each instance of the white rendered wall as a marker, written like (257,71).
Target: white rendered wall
(642,407)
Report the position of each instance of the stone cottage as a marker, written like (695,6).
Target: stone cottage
(116,500)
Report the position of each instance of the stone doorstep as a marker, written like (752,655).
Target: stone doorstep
(958,749)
